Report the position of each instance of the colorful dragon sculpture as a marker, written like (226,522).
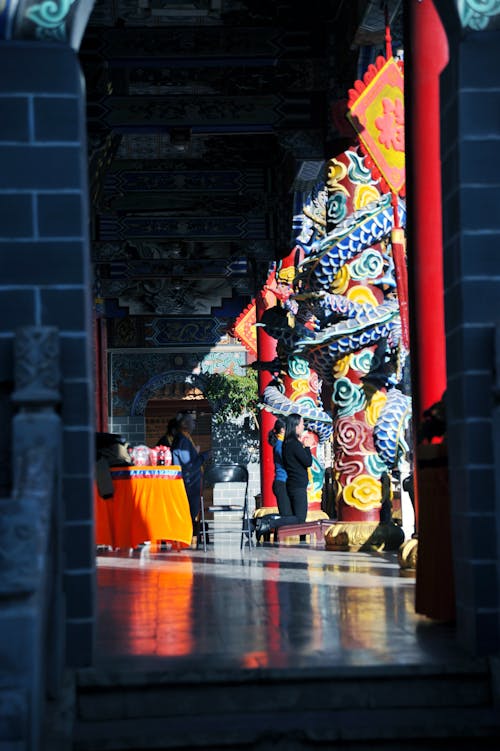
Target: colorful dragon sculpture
(339,308)
(337,322)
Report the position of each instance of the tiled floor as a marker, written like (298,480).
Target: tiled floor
(274,606)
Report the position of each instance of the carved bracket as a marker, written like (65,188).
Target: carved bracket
(36,366)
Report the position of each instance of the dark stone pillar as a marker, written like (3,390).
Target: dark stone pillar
(470,133)
(44,256)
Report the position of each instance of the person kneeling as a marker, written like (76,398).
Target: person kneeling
(297,459)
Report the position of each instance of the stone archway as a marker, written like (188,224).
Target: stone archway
(155,385)
(153,391)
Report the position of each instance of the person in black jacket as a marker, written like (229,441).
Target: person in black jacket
(167,439)
(297,459)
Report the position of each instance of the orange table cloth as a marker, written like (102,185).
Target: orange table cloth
(149,503)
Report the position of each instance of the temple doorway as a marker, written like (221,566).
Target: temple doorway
(176,398)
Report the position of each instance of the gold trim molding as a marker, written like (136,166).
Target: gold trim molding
(363,536)
(407,557)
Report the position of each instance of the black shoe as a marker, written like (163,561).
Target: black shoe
(263,527)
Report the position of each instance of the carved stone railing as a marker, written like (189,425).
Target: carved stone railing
(31,594)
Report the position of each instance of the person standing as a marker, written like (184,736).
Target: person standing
(297,459)
(190,459)
(167,439)
(275,438)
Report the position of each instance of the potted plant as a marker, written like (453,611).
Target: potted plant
(232,396)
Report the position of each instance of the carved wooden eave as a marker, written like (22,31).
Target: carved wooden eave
(213,119)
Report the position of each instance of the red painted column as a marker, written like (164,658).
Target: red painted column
(100,368)
(428,57)
(103,360)
(266,351)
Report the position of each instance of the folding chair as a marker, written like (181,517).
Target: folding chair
(214,475)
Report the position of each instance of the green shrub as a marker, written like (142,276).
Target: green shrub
(232,396)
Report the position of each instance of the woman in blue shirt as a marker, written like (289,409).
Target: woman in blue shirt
(275,438)
(296,459)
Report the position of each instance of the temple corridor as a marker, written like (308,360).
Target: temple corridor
(250,209)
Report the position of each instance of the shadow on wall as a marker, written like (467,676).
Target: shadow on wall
(236,442)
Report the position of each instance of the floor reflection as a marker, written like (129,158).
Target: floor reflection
(136,607)
(274,606)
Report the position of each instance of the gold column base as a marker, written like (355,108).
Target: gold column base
(363,536)
(407,557)
(265,511)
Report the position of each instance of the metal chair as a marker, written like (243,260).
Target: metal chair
(214,475)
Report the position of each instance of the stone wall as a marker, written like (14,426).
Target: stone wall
(470,132)
(131,428)
(44,256)
(238,443)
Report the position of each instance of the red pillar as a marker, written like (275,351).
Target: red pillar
(266,351)
(428,57)
(100,372)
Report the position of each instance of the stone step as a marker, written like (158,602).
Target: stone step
(235,709)
(103,696)
(356,729)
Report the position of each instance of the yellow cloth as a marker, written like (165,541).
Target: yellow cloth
(143,507)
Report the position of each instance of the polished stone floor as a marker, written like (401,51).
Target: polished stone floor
(276,606)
